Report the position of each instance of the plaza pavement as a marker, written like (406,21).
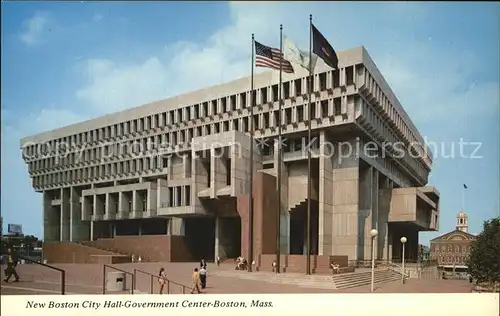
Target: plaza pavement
(88,278)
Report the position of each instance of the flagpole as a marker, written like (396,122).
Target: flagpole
(308,214)
(463,197)
(278,223)
(250,199)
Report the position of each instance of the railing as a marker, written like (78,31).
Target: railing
(63,273)
(104,278)
(151,281)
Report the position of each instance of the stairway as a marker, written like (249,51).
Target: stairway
(350,280)
(301,280)
(96,244)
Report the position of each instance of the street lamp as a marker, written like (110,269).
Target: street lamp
(374,234)
(403,242)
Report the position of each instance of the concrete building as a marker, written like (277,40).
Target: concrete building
(452,249)
(180,167)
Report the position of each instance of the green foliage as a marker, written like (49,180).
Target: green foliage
(484,258)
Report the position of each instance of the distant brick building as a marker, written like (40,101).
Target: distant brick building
(452,249)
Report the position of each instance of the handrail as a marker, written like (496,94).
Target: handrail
(104,278)
(63,272)
(157,277)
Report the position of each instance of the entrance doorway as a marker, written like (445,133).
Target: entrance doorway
(298,229)
(200,237)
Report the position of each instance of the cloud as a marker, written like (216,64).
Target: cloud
(429,91)
(34,29)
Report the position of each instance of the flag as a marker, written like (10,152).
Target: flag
(297,56)
(323,49)
(465,186)
(269,57)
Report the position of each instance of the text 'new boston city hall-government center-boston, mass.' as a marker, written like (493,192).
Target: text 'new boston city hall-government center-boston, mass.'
(118,185)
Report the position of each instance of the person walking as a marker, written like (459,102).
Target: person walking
(162,279)
(196,282)
(11,266)
(203,277)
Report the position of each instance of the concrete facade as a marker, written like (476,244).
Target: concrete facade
(187,157)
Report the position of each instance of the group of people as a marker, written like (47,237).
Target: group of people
(241,263)
(200,277)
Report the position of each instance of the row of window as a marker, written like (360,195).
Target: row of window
(449,248)
(389,136)
(451,259)
(396,117)
(162,142)
(293,88)
(110,170)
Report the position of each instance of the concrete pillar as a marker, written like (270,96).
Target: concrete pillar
(284,213)
(65,215)
(218,172)
(51,219)
(384,200)
(91,230)
(162,193)
(368,214)
(176,226)
(151,199)
(135,201)
(110,204)
(345,201)
(79,230)
(219,252)
(325,197)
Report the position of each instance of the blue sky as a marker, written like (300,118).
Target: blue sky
(66,62)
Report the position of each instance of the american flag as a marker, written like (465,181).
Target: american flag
(269,57)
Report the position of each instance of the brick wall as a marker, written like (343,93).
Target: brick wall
(162,248)
(67,252)
(265,216)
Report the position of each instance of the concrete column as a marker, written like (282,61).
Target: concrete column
(151,199)
(368,211)
(122,202)
(135,201)
(51,220)
(65,215)
(345,202)
(219,171)
(384,200)
(175,200)
(176,226)
(284,214)
(110,204)
(78,230)
(162,193)
(325,197)
(91,230)
(219,252)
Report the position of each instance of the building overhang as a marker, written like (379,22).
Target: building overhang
(417,205)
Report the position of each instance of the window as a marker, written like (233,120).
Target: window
(263,94)
(336,78)
(322,81)
(298,87)
(337,104)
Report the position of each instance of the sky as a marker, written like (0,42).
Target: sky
(65,62)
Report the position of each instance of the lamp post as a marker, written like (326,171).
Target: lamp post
(403,242)
(374,234)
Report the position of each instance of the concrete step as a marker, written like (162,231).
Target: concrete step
(364,278)
(302,280)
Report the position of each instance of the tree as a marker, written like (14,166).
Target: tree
(484,257)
